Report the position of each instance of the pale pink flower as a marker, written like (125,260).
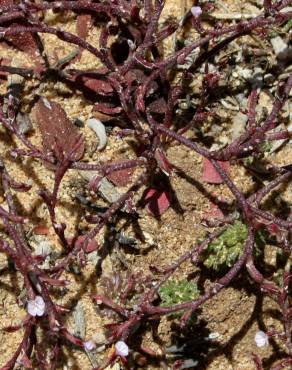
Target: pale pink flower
(196,11)
(89,345)
(261,339)
(122,349)
(36,307)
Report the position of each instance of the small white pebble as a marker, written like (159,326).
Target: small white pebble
(196,11)
(122,349)
(279,45)
(89,345)
(261,339)
(36,307)
(213,336)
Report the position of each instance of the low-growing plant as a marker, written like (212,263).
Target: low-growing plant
(175,292)
(148,97)
(225,250)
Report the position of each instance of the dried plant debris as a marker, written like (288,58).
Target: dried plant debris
(145,166)
(98,127)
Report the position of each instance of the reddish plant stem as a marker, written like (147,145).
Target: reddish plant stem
(194,254)
(259,195)
(283,364)
(215,289)
(62,35)
(104,219)
(149,134)
(21,347)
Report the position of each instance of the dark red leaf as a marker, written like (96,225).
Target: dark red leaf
(54,282)
(97,85)
(23,42)
(71,338)
(11,329)
(40,230)
(214,212)
(157,201)
(162,161)
(273,229)
(107,108)
(121,177)
(56,129)
(135,75)
(210,174)
(91,246)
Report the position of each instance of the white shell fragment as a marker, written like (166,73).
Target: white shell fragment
(98,127)
(279,45)
(122,349)
(282,50)
(36,307)
(261,339)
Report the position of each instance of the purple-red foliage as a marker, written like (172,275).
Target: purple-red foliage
(135,90)
(59,135)
(25,41)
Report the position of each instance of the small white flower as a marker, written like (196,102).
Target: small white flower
(196,11)
(36,307)
(122,349)
(261,339)
(89,345)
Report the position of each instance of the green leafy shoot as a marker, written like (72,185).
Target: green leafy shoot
(176,292)
(225,250)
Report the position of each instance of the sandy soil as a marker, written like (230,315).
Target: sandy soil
(231,318)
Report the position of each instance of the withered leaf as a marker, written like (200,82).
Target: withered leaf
(57,131)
